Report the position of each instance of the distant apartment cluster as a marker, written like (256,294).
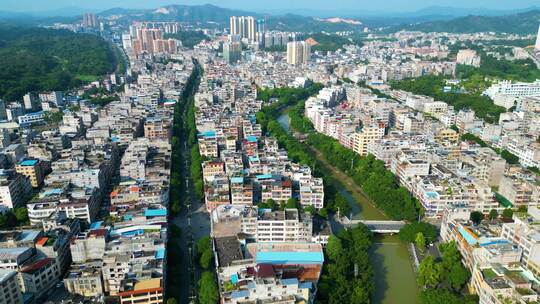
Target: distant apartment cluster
(149,38)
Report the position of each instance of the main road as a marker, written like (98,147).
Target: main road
(193,220)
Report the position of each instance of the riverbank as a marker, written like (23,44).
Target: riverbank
(395,279)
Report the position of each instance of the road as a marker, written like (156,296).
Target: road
(194,223)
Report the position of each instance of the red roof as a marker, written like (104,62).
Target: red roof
(98,232)
(36,265)
(42,241)
(265,271)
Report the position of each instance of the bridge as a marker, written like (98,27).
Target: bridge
(375,226)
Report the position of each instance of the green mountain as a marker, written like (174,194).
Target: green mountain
(521,23)
(219,17)
(183,13)
(37,59)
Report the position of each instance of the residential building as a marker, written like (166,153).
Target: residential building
(468,57)
(15,189)
(232,51)
(10,292)
(33,169)
(298,52)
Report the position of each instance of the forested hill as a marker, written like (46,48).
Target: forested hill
(522,23)
(36,59)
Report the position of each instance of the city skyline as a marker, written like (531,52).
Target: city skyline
(345,7)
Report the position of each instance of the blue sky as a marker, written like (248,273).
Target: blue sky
(271,5)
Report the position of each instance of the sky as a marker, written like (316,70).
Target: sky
(269,5)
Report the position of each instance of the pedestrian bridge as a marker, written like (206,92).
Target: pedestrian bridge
(375,226)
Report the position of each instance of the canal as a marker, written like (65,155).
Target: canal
(395,280)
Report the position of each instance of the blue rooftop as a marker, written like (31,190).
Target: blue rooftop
(95,225)
(292,281)
(263,176)
(155,212)
(51,192)
(467,236)
(252,138)
(28,162)
(305,285)
(289,257)
(128,217)
(252,118)
(234,278)
(160,253)
(133,232)
(237,180)
(28,235)
(235,294)
(432,194)
(489,242)
(208,133)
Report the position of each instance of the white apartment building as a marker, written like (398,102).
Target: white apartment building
(311,192)
(241,191)
(437,194)
(10,292)
(15,190)
(529,154)
(278,226)
(524,233)
(518,89)
(436,108)
(519,192)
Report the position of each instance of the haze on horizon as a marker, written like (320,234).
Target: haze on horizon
(390,6)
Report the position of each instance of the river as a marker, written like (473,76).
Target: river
(395,280)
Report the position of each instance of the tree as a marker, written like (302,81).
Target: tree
(438,296)
(457,276)
(507,213)
(429,272)
(409,231)
(323,213)
(476,217)
(292,203)
(509,157)
(208,290)
(420,241)
(334,247)
(171,301)
(175,208)
(206,259)
(204,244)
(176,231)
(522,208)
(21,214)
(310,209)
(269,204)
(493,214)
